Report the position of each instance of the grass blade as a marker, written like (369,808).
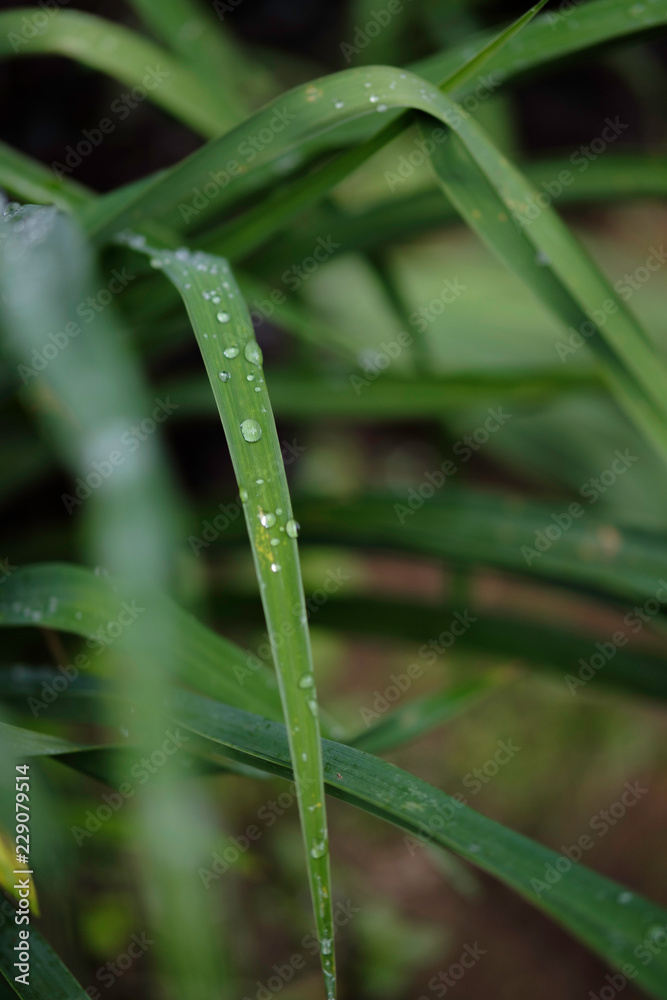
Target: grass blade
(233,363)
(611,920)
(123,55)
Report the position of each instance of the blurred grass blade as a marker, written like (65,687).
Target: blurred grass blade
(95,399)
(32,182)
(72,599)
(410,721)
(233,363)
(191,30)
(471,528)
(122,54)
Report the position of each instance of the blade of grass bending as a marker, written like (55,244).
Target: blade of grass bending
(233,363)
(122,54)
(611,920)
(258,223)
(494,199)
(254,227)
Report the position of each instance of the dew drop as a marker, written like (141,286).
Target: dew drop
(243,494)
(260,482)
(279,511)
(250,378)
(224,376)
(275,541)
(258,388)
(223,317)
(339,104)
(156,262)
(306,681)
(318,850)
(624,897)
(230,352)
(382,107)
(253,352)
(267,520)
(292,528)
(275,568)
(373,98)
(312,705)
(251,430)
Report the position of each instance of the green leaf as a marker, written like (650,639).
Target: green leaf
(233,363)
(73,599)
(611,920)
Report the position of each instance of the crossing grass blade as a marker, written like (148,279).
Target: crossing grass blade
(85,601)
(122,54)
(233,362)
(473,528)
(617,924)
